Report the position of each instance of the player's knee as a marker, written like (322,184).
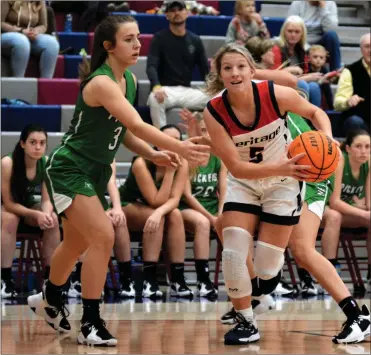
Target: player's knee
(269,260)
(105,237)
(333,218)
(9,222)
(175,217)
(202,225)
(236,274)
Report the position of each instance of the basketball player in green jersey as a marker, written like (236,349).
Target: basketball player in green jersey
(202,203)
(22,172)
(351,197)
(78,172)
(302,245)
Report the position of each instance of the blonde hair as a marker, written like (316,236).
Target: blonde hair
(258,47)
(239,6)
(318,47)
(296,20)
(213,82)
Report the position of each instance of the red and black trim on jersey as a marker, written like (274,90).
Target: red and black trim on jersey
(266,109)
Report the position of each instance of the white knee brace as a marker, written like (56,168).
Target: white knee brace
(268,261)
(235,249)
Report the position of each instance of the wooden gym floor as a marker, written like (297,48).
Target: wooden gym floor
(184,327)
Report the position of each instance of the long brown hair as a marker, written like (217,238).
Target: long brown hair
(105,31)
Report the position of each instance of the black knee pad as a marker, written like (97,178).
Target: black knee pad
(265,287)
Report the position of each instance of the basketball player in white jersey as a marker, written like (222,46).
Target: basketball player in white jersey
(248,130)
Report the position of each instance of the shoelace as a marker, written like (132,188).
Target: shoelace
(242,323)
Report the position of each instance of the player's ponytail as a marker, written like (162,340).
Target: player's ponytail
(214,84)
(105,31)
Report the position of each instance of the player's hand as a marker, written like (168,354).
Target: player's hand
(294,70)
(117,216)
(153,222)
(312,77)
(194,152)
(355,100)
(360,203)
(160,94)
(288,167)
(166,158)
(44,220)
(190,123)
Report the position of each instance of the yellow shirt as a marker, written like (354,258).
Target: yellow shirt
(345,88)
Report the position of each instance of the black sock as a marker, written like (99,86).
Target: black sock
(303,274)
(53,293)
(177,272)
(202,270)
(90,309)
(369,272)
(334,261)
(149,271)
(6,273)
(47,273)
(350,307)
(78,272)
(256,292)
(124,270)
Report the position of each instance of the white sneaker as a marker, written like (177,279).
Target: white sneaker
(180,290)
(7,289)
(127,290)
(56,317)
(95,333)
(74,290)
(263,304)
(283,288)
(206,289)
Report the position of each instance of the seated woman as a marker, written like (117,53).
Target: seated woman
(351,196)
(291,52)
(23,32)
(150,198)
(202,203)
(22,171)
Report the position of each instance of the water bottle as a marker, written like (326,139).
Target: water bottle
(68,23)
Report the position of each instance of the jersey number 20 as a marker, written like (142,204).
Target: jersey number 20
(113,145)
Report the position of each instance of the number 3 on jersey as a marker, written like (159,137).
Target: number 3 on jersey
(113,145)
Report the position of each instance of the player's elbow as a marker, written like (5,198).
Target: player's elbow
(292,81)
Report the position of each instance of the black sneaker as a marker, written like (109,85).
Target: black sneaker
(206,289)
(8,289)
(180,289)
(55,316)
(283,288)
(244,332)
(127,289)
(229,317)
(151,289)
(307,286)
(95,333)
(354,331)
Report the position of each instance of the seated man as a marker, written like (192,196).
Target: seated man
(353,93)
(173,55)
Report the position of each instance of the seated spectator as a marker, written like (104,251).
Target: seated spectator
(121,247)
(23,26)
(21,172)
(321,21)
(291,51)
(353,93)
(351,196)
(202,203)
(173,55)
(262,52)
(246,23)
(194,8)
(150,196)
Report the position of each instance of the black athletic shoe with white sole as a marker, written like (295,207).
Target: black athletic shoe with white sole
(55,316)
(229,317)
(244,332)
(354,331)
(95,333)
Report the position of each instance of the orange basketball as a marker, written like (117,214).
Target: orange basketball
(321,154)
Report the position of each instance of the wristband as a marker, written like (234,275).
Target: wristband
(156,87)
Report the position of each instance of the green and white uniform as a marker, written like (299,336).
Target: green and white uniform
(317,194)
(39,178)
(81,164)
(130,192)
(205,186)
(351,187)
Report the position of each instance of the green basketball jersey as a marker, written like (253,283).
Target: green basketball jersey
(130,192)
(93,132)
(36,182)
(351,187)
(205,185)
